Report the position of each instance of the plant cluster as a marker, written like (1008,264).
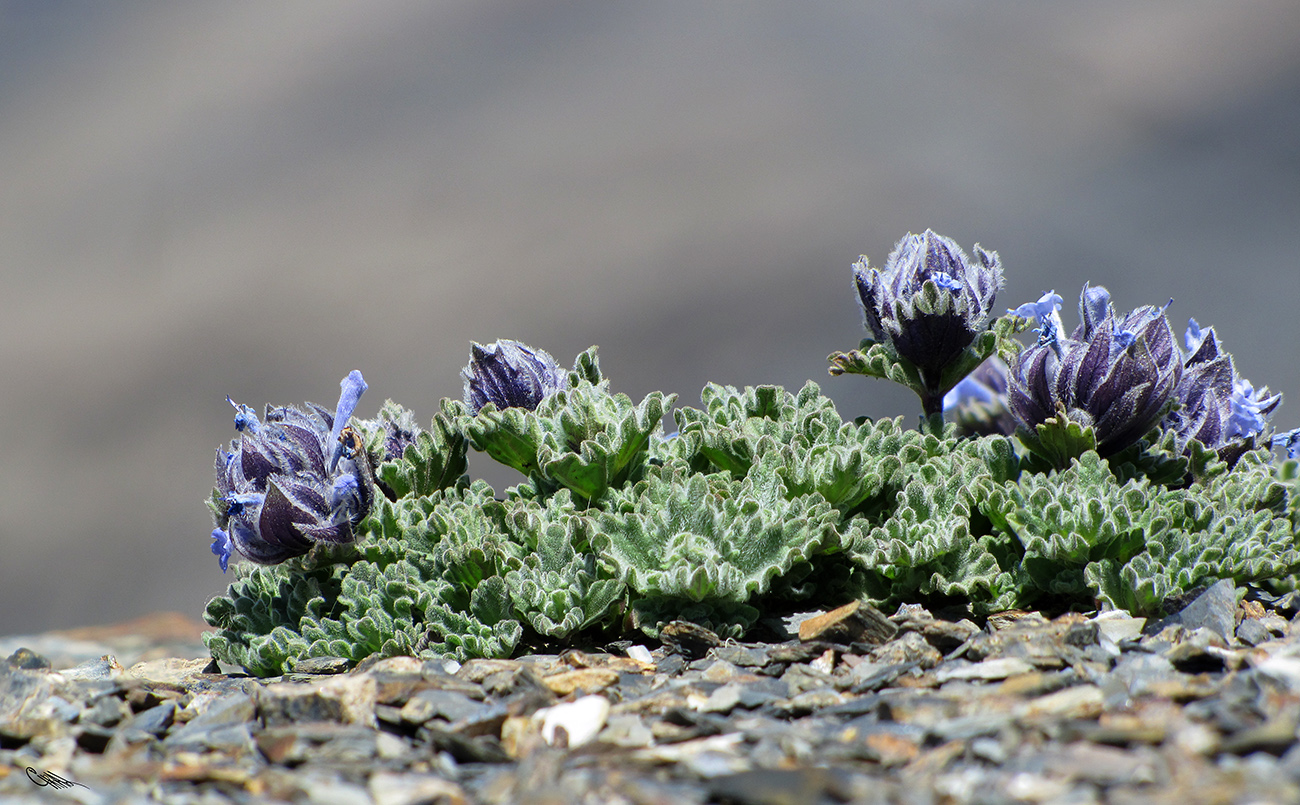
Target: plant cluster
(1110,468)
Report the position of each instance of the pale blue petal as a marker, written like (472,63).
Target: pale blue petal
(222,547)
(352,386)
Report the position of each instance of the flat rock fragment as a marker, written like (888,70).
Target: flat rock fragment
(1215,609)
(855,622)
(344,699)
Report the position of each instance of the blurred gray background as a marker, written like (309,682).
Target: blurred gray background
(252,199)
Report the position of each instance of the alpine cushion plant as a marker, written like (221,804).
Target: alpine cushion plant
(1131,472)
(291,481)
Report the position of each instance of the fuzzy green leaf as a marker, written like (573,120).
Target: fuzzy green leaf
(434,460)
(706,538)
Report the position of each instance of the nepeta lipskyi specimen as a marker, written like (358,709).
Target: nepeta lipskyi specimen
(1113,374)
(928,304)
(510,374)
(291,480)
(766,500)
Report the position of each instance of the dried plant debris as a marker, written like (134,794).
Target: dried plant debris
(1110,469)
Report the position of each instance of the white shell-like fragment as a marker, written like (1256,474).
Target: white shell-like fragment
(640,654)
(574,723)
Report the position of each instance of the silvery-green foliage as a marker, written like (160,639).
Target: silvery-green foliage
(924,543)
(258,621)
(1132,544)
(482,628)
(815,451)
(709,538)
(1287,474)
(560,588)
(583,438)
(413,461)
(1065,520)
(468,540)
(445,553)
(1228,525)
(381,611)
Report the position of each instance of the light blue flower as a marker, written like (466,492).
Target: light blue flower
(1290,441)
(351,389)
(1047,312)
(970,389)
(978,403)
(221,547)
(945,281)
(1046,307)
(1247,417)
(1195,336)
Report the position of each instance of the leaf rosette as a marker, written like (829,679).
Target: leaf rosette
(583,438)
(697,538)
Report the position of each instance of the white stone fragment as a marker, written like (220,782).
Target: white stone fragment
(1282,669)
(1116,625)
(640,654)
(580,720)
(1000,668)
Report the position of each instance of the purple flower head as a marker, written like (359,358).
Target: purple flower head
(1115,374)
(1216,407)
(509,374)
(927,328)
(291,480)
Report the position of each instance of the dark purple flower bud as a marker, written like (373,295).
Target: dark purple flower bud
(1117,375)
(291,480)
(928,327)
(509,374)
(1216,407)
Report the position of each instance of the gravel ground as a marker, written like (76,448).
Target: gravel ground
(843,706)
